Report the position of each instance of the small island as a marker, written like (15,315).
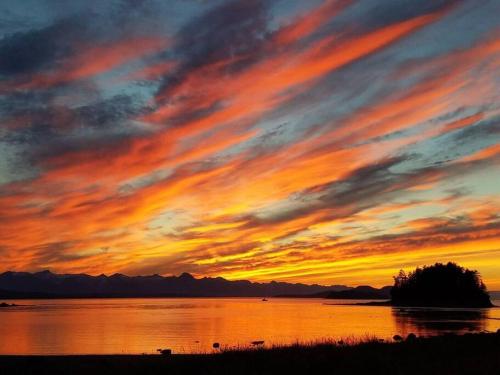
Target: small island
(440,285)
(3,304)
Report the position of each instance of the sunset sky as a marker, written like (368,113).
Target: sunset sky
(329,142)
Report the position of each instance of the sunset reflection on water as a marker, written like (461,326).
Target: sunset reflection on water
(193,325)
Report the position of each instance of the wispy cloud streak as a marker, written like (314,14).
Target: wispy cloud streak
(320,142)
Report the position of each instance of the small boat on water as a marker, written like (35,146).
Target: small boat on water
(264,299)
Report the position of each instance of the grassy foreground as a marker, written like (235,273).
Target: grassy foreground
(468,354)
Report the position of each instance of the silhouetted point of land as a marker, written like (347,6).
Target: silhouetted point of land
(3,304)
(371,303)
(391,304)
(440,285)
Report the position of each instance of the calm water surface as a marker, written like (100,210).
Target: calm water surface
(191,325)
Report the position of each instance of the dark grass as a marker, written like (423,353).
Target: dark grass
(468,354)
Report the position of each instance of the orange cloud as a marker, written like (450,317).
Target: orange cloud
(91,61)
(247,210)
(306,24)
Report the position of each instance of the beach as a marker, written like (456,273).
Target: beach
(447,354)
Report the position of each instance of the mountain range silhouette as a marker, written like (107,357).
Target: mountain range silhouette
(46,284)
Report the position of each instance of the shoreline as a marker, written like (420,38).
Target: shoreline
(466,354)
(389,304)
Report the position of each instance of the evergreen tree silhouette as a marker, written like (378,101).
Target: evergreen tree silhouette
(446,285)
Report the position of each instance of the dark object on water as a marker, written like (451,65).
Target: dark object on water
(397,338)
(440,285)
(165,352)
(257,343)
(216,345)
(411,337)
(264,299)
(3,304)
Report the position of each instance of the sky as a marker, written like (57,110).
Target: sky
(330,142)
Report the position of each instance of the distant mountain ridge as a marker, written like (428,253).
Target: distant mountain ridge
(359,292)
(46,284)
(362,292)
